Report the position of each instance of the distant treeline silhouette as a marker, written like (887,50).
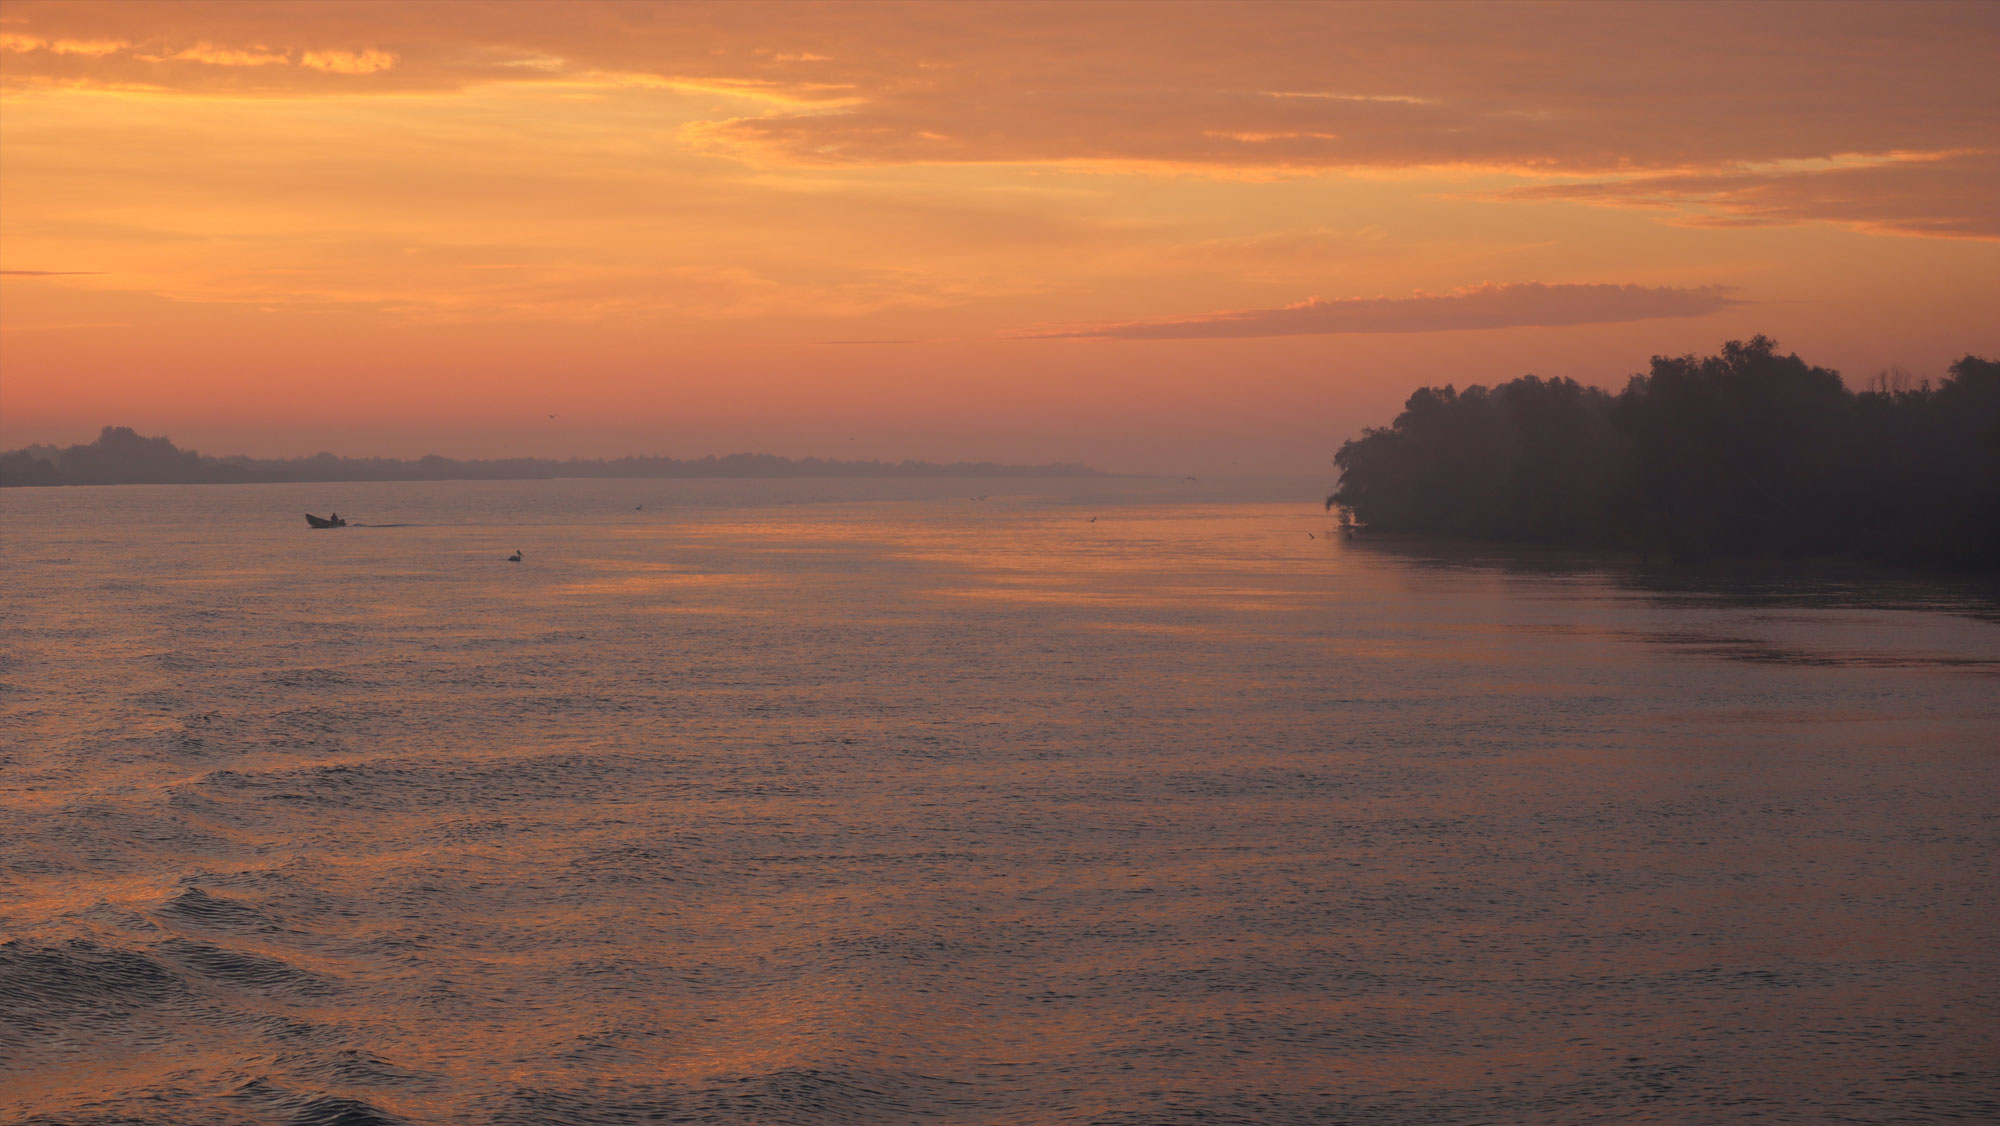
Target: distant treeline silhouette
(120,456)
(1748,453)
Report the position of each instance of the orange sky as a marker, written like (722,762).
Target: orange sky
(1148,237)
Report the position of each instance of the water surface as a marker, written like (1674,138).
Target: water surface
(852,801)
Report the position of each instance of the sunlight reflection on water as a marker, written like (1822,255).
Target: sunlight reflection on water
(861,801)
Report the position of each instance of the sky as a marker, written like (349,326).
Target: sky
(1148,237)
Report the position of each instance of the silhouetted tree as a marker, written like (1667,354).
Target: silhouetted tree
(1527,460)
(1734,452)
(1745,452)
(23,468)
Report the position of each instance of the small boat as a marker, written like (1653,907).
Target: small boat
(333,521)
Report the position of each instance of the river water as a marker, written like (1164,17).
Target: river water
(1103,801)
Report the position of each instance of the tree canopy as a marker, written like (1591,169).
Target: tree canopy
(1748,452)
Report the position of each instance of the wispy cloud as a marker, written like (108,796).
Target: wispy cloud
(47,273)
(1477,307)
(1409,99)
(348,62)
(1938,195)
(1231,89)
(364,61)
(90,48)
(213,55)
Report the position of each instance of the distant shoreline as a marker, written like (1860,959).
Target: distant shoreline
(120,456)
(939,476)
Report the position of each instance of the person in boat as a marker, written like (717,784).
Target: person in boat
(335,518)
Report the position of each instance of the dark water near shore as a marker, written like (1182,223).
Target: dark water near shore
(806,801)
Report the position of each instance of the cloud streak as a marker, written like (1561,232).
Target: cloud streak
(1522,304)
(92,48)
(1589,89)
(1657,103)
(1950,195)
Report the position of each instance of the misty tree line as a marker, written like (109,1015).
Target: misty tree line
(121,456)
(1744,453)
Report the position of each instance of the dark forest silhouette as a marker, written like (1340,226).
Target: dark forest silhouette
(120,456)
(1746,453)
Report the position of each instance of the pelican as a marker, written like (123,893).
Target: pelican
(516,557)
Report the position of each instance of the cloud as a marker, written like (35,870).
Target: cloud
(366,61)
(227,56)
(348,62)
(1616,89)
(1951,195)
(1592,89)
(47,273)
(90,48)
(1477,307)
(1651,102)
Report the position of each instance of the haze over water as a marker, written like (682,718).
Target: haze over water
(864,801)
